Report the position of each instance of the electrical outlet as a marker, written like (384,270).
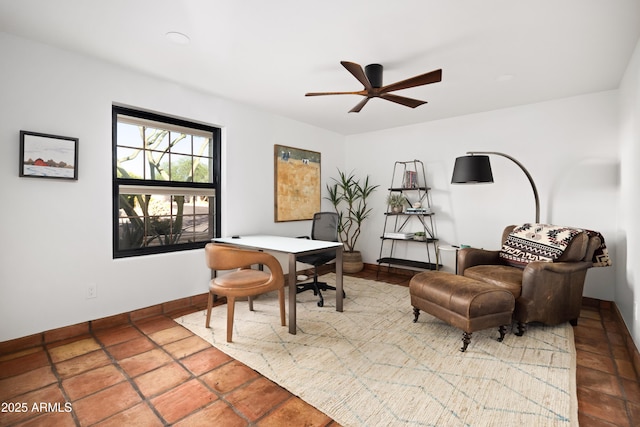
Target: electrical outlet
(92,290)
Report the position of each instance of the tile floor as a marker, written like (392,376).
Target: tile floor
(153,372)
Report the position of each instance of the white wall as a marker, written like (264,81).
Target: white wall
(628,268)
(56,235)
(57,238)
(570,147)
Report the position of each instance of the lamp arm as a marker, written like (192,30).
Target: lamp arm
(526,172)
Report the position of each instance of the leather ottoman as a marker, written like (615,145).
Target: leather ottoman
(461,302)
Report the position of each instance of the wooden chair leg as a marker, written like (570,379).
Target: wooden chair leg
(209,305)
(503,331)
(250,299)
(466,339)
(231,305)
(416,314)
(283,321)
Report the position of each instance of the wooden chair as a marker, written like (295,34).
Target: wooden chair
(244,282)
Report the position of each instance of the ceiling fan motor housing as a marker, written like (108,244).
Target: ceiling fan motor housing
(374,74)
(371,78)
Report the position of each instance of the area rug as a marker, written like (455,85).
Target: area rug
(372,366)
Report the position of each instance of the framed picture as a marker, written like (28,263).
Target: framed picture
(48,156)
(297,183)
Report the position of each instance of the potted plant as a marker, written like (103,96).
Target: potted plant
(420,235)
(396,201)
(348,195)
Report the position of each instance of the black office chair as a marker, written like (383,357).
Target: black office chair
(325,227)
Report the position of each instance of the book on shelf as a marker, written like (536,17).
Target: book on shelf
(398,235)
(418,210)
(410,179)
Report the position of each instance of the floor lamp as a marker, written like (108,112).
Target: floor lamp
(473,169)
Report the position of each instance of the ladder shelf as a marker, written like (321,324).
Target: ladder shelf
(400,228)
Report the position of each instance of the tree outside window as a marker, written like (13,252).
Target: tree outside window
(166,183)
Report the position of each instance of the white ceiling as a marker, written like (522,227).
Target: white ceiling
(269,53)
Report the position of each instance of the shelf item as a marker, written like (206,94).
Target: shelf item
(400,236)
(421,211)
(409,180)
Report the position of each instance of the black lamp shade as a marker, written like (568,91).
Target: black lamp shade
(472,169)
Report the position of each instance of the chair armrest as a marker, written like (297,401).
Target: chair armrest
(227,257)
(468,257)
(542,280)
(551,291)
(556,267)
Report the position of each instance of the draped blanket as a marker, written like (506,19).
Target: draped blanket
(601,255)
(543,242)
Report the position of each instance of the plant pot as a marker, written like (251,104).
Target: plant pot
(396,209)
(352,262)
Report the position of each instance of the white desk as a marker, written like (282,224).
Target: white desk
(295,247)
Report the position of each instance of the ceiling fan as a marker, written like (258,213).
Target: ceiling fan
(371,78)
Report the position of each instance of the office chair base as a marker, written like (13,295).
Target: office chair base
(317,287)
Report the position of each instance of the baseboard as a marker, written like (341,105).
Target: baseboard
(330,268)
(173,308)
(617,317)
(199,302)
(628,340)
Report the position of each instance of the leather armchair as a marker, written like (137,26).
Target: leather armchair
(546,292)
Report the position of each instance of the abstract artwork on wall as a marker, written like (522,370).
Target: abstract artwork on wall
(297,183)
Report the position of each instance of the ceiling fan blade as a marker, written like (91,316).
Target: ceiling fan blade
(403,100)
(358,107)
(358,73)
(423,79)
(360,92)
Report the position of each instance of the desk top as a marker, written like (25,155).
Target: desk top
(278,243)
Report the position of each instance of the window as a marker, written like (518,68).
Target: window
(166,183)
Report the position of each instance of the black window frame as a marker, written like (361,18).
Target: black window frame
(216,142)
